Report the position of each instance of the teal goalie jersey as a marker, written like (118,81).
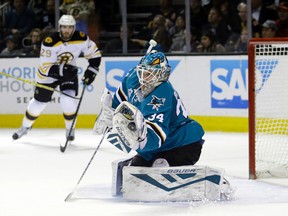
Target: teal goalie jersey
(168,124)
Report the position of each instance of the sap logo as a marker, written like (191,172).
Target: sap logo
(229,84)
(117,70)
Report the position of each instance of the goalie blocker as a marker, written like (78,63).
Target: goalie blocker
(179,183)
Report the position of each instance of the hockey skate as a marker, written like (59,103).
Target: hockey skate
(21,132)
(72,135)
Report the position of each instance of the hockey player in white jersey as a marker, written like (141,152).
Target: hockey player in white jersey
(57,67)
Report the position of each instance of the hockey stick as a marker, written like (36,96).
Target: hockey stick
(63,148)
(152,43)
(37,84)
(96,150)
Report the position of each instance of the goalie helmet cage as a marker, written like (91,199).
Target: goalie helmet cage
(268,107)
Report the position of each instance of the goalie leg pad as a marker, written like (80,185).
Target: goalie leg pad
(117,177)
(181,183)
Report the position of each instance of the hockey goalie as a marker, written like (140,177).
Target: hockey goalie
(147,115)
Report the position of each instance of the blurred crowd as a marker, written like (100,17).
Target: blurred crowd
(215,25)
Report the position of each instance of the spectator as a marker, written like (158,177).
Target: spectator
(242,12)
(198,16)
(232,42)
(20,20)
(48,16)
(47,31)
(230,15)
(282,22)
(158,32)
(217,25)
(242,45)
(32,44)
(116,45)
(12,47)
(194,42)
(166,9)
(208,44)
(178,34)
(37,6)
(261,13)
(269,29)
(80,10)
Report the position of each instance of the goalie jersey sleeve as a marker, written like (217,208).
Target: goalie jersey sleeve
(168,123)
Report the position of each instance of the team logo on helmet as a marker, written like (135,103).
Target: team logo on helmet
(156,61)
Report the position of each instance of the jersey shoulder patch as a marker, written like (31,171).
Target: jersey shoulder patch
(78,35)
(52,39)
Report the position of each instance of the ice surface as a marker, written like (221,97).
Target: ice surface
(35,178)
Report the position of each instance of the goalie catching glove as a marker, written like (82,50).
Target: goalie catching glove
(130,125)
(89,75)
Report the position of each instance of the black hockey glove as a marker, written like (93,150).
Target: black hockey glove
(65,71)
(69,71)
(89,75)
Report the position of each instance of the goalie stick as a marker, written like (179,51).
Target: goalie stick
(36,84)
(152,43)
(96,150)
(63,148)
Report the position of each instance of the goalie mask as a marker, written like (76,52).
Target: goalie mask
(64,26)
(152,70)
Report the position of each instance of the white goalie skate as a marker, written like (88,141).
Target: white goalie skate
(21,132)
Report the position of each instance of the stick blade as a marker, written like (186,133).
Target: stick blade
(68,197)
(63,147)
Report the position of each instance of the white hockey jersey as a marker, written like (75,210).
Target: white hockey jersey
(54,50)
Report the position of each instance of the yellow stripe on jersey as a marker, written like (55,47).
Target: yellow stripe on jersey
(93,54)
(158,130)
(41,76)
(44,70)
(59,43)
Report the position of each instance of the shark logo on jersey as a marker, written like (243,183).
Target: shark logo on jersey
(156,102)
